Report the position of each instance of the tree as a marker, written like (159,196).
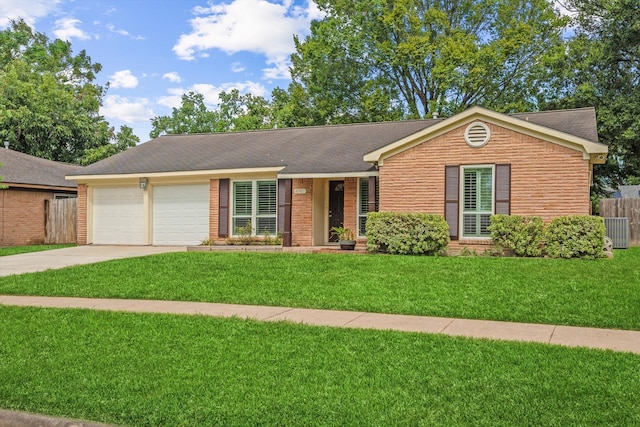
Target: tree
(235,112)
(122,141)
(601,68)
(49,105)
(427,55)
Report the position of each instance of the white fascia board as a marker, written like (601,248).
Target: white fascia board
(180,174)
(329,175)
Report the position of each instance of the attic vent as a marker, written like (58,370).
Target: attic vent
(476,135)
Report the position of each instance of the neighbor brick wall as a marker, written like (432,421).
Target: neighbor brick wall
(22,217)
(302,213)
(547,180)
(82,214)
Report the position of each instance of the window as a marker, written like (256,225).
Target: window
(363,205)
(255,203)
(477,198)
(58,196)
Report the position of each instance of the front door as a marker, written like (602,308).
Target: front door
(336,207)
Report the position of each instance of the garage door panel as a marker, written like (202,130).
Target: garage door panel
(180,214)
(118,216)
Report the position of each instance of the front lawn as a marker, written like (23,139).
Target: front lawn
(15,250)
(152,370)
(603,293)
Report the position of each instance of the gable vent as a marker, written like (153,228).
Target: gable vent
(476,135)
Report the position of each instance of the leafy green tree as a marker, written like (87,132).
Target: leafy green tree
(426,56)
(601,68)
(49,103)
(235,112)
(122,141)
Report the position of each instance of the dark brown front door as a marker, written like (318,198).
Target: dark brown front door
(336,207)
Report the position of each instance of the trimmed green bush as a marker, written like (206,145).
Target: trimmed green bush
(523,235)
(579,236)
(406,233)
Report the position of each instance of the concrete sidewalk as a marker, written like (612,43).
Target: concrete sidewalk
(75,255)
(617,340)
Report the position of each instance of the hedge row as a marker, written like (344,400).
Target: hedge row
(577,236)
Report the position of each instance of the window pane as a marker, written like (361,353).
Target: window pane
(469,225)
(362,222)
(242,198)
(470,190)
(266,224)
(484,223)
(240,222)
(364,196)
(486,190)
(267,201)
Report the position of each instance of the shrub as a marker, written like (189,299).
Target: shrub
(579,236)
(406,233)
(523,235)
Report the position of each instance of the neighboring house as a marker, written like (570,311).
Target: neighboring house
(626,192)
(30,181)
(181,189)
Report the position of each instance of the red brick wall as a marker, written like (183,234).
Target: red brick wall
(22,219)
(351,204)
(547,180)
(302,213)
(82,214)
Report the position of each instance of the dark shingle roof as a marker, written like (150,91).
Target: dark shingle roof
(580,122)
(20,168)
(315,149)
(309,150)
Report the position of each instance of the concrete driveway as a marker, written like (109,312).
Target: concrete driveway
(59,258)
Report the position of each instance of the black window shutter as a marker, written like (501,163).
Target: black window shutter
(284,210)
(223,207)
(451,199)
(503,189)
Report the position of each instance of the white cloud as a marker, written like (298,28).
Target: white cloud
(258,26)
(66,29)
(129,111)
(174,99)
(172,77)
(123,79)
(30,11)
(122,32)
(237,67)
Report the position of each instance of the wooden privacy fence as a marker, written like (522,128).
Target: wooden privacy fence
(61,220)
(624,208)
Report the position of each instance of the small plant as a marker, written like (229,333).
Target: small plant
(468,252)
(207,241)
(245,234)
(343,233)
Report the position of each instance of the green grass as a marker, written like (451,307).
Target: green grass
(604,293)
(153,370)
(15,250)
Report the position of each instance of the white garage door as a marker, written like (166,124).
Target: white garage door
(118,216)
(180,214)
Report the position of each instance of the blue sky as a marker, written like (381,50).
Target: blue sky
(153,51)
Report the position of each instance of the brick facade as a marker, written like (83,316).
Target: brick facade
(547,180)
(302,213)
(22,216)
(82,214)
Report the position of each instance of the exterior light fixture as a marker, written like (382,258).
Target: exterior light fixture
(143,183)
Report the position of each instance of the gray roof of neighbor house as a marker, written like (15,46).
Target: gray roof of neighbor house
(23,169)
(305,150)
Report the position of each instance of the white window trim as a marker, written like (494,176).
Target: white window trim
(254,205)
(461,199)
